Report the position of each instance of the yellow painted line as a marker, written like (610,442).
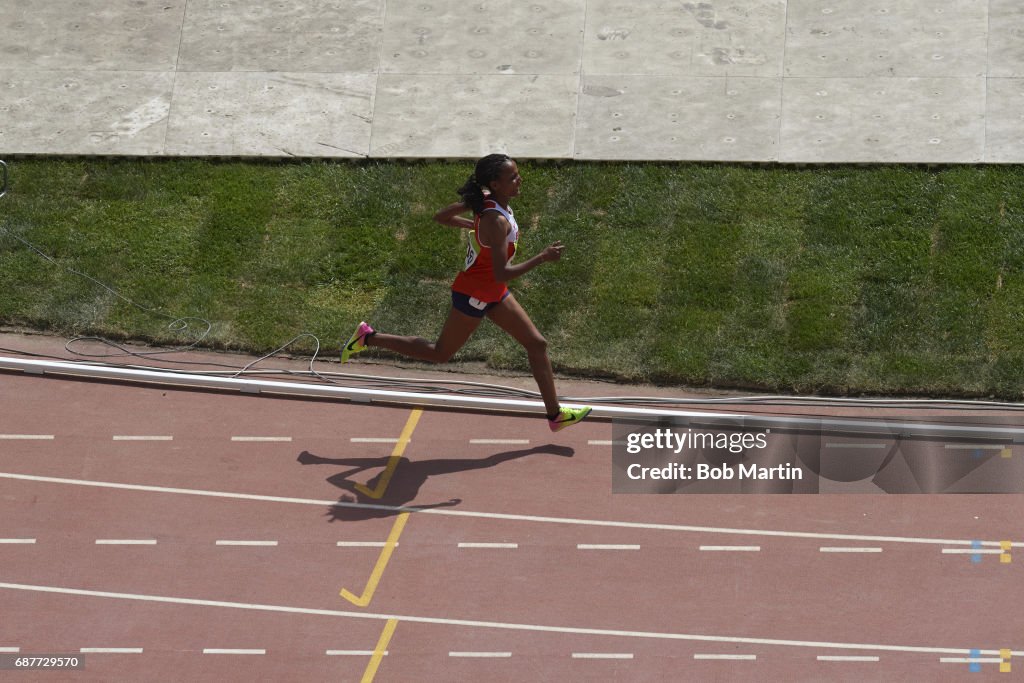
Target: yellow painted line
(396,457)
(382,562)
(379,652)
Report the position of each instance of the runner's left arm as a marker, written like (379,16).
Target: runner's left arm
(450,216)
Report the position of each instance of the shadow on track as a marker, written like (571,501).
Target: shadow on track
(406,480)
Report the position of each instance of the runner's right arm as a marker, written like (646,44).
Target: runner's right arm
(494,233)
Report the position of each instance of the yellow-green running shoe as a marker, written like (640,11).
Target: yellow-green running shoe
(567,417)
(357,342)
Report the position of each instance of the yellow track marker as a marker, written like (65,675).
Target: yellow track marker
(1005,557)
(382,562)
(396,456)
(378,653)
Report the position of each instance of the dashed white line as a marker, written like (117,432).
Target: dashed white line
(494,515)
(968,660)
(834,444)
(490,655)
(538,628)
(488,545)
(732,548)
(112,650)
(971,551)
(826,549)
(353,653)
(260,439)
(227,651)
(10,650)
(14,541)
(602,655)
(26,437)
(124,541)
(839,658)
(248,543)
(599,442)
(129,437)
(607,546)
(974,446)
(500,442)
(370,439)
(727,657)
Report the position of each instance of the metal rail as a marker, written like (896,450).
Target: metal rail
(890,427)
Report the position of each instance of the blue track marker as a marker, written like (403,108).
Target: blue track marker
(976,558)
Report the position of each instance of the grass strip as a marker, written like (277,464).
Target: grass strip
(842,280)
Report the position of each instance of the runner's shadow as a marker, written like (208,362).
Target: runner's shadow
(407,478)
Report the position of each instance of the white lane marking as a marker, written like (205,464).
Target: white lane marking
(23,541)
(971,551)
(353,653)
(968,660)
(599,442)
(112,650)
(835,444)
(124,541)
(727,657)
(10,650)
(732,548)
(975,447)
(517,442)
(602,655)
(825,549)
(26,437)
(259,439)
(607,546)
(128,437)
(495,515)
(495,624)
(488,545)
(248,543)
(838,658)
(493,655)
(228,651)
(369,439)
(363,544)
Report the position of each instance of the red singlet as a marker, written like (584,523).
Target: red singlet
(477,279)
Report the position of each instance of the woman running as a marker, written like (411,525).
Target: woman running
(480,289)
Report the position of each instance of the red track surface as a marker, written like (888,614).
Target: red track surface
(538,604)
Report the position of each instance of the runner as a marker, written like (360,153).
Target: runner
(480,289)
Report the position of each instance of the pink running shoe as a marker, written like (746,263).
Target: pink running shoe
(357,342)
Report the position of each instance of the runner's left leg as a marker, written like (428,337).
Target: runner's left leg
(457,329)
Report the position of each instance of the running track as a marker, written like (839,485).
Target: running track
(192,536)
